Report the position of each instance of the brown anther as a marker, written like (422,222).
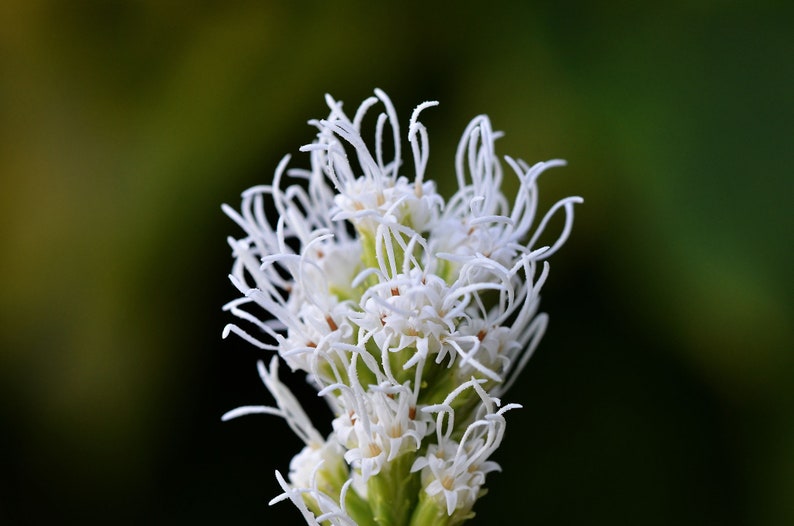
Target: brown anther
(412,412)
(352,417)
(312,345)
(391,395)
(358,206)
(331,323)
(395,291)
(481,335)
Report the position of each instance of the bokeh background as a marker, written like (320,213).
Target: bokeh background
(663,392)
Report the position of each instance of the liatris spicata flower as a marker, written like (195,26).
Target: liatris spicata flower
(409,314)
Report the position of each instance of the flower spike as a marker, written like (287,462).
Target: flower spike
(410,314)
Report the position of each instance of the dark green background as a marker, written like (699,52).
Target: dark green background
(663,392)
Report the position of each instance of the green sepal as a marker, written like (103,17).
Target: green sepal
(432,511)
(392,493)
(358,509)
(428,512)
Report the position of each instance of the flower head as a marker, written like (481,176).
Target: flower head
(410,314)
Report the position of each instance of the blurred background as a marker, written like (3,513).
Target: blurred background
(663,392)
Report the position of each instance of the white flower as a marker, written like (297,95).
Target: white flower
(454,470)
(408,311)
(379,427)
(410,314)
(303,468)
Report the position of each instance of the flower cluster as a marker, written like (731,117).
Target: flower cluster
(409,314)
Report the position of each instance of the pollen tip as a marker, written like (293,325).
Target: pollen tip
(331,323)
